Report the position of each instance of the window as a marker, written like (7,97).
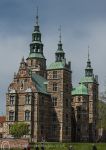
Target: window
(66,117)
(28,99)
(79,98)
(21,84)
(11,116)
(54,74)
(31,62)
(12,100)
(1,135)
(1,125)
(67,88)
(42,114)
(42,100)
(42,129)
(54,101)
(54,117)
(66,102)
(53,130)
(66,130)
(54,86)
(27,115)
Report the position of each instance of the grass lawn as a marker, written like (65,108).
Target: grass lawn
(65,146)
(76,146)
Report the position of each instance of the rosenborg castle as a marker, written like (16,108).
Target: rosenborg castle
(45,99)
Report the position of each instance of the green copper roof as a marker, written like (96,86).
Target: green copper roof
(57,65)
(87,80)
(36,55)
(39,82)
(80,90)
(59,51)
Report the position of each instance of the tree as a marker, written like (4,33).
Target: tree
(19,129)
(102,115)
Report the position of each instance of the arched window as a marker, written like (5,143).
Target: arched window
(27,115)
(11,116)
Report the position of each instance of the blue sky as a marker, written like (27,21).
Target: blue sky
(83,23)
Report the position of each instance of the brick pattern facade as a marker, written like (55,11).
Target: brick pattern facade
(62,93)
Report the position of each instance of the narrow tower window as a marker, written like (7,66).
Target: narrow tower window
(54,101)
(54,74)
(55,87)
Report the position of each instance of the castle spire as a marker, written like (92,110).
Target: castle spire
(60,43)
(36,46)
(37,17)
(36,60)
(60,55)
(88,52)
(88,62)
(60,34)
(36,28)
(88,70)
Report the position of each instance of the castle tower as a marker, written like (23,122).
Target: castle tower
(91,82)
(59,85)
(80,118)
(36,60)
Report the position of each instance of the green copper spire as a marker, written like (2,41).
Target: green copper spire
(36,46)
(60,55)
(88,70)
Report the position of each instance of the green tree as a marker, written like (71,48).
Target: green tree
(19,129)
(102,115)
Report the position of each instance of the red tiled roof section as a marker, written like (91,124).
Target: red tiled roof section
(2,119)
